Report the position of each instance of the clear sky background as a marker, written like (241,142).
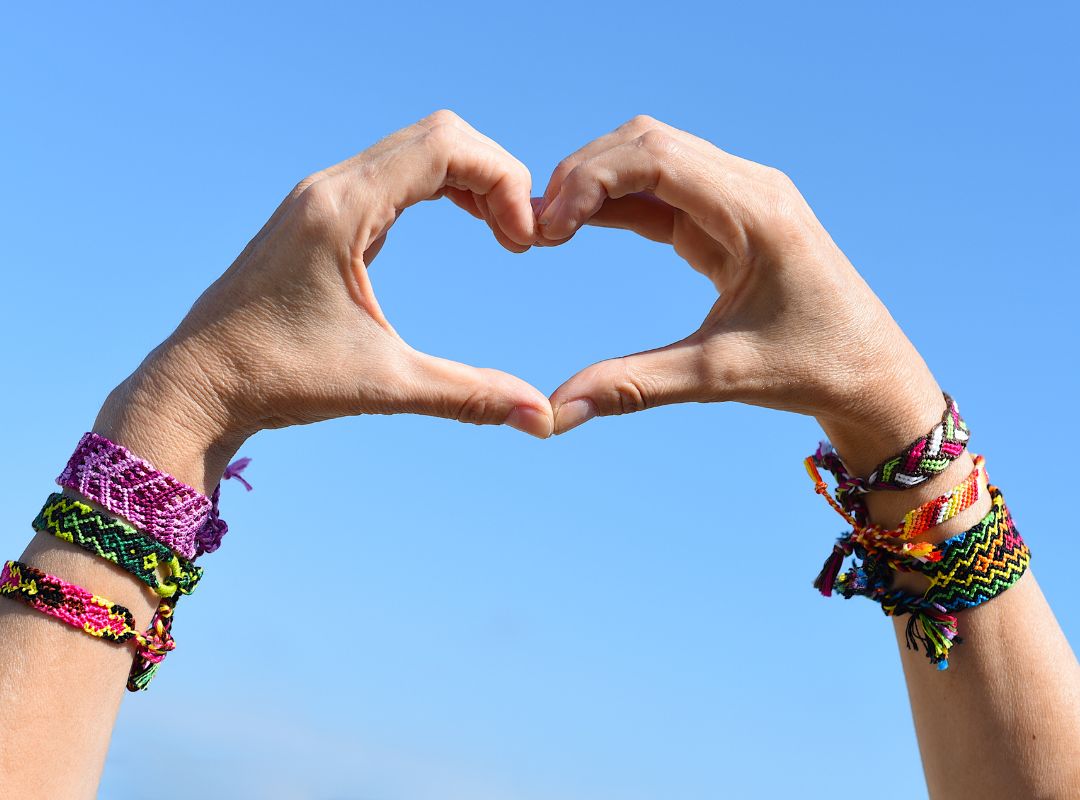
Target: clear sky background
(409,608)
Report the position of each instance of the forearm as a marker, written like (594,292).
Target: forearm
(1004,720)
(60,690)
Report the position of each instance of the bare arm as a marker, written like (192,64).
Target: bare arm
(795,328)
(290,334)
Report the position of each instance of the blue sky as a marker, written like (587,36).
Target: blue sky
(515,618)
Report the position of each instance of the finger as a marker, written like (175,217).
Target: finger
(442,388)
(643,214)
(626,132)
(388,144)
(677,373)
(447,156)
(660,165)
(464,200)
(374,152)
(477,206)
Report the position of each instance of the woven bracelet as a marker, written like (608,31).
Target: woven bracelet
(114,540)
(163,507)
(89,613)
(968,570)
(873,539)
(924,458)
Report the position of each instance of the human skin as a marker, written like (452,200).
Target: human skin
(795,328)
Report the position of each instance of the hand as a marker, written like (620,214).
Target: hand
(292,332)
(794,328)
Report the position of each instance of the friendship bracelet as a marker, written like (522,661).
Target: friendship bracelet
(981,563)
(91,614)
(970,569)
(873,539)
(155,502)
(926,457)
(941,509)
(114,540)
(110,538)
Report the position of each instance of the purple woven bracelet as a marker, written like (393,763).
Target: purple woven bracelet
(153,501)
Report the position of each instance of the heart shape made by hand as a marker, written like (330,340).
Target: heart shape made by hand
(275,341)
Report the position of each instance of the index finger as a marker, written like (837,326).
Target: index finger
(711,190)
(446,155)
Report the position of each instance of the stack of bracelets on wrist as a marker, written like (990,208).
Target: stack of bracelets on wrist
(153,526)
(963,571)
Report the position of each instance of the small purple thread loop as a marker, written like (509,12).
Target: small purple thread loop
(211,534)
(235,468)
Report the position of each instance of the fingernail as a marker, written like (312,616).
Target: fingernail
(574,413)
(548,214)
(528,420)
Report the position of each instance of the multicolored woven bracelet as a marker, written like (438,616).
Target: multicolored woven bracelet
(92,614)
(897,542)
(155,502)
(114,540)
(980,563)
(967,570)
(924,458)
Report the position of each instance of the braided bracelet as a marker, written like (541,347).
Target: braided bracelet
(113,539)
(924,458)
(155,502)
(969,569)
(94,615)
(874,539)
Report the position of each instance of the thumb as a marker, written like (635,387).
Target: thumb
(677,373)
(442,388)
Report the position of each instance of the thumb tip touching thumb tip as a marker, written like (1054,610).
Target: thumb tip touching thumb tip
(530,420)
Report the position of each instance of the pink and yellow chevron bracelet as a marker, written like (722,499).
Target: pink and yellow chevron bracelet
(79,608)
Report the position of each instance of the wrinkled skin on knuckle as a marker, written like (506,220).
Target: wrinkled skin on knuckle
(477,408)
(623,391)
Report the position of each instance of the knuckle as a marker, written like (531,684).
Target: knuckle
(303,185)
(564,168)
(627,392)
(444,116)
(578,177)
(658,143)
(629,397)
(779,178)
(317,206)
(441,135)
(641,122)
(476,408)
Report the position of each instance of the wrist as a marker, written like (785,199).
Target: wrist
(168,413)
